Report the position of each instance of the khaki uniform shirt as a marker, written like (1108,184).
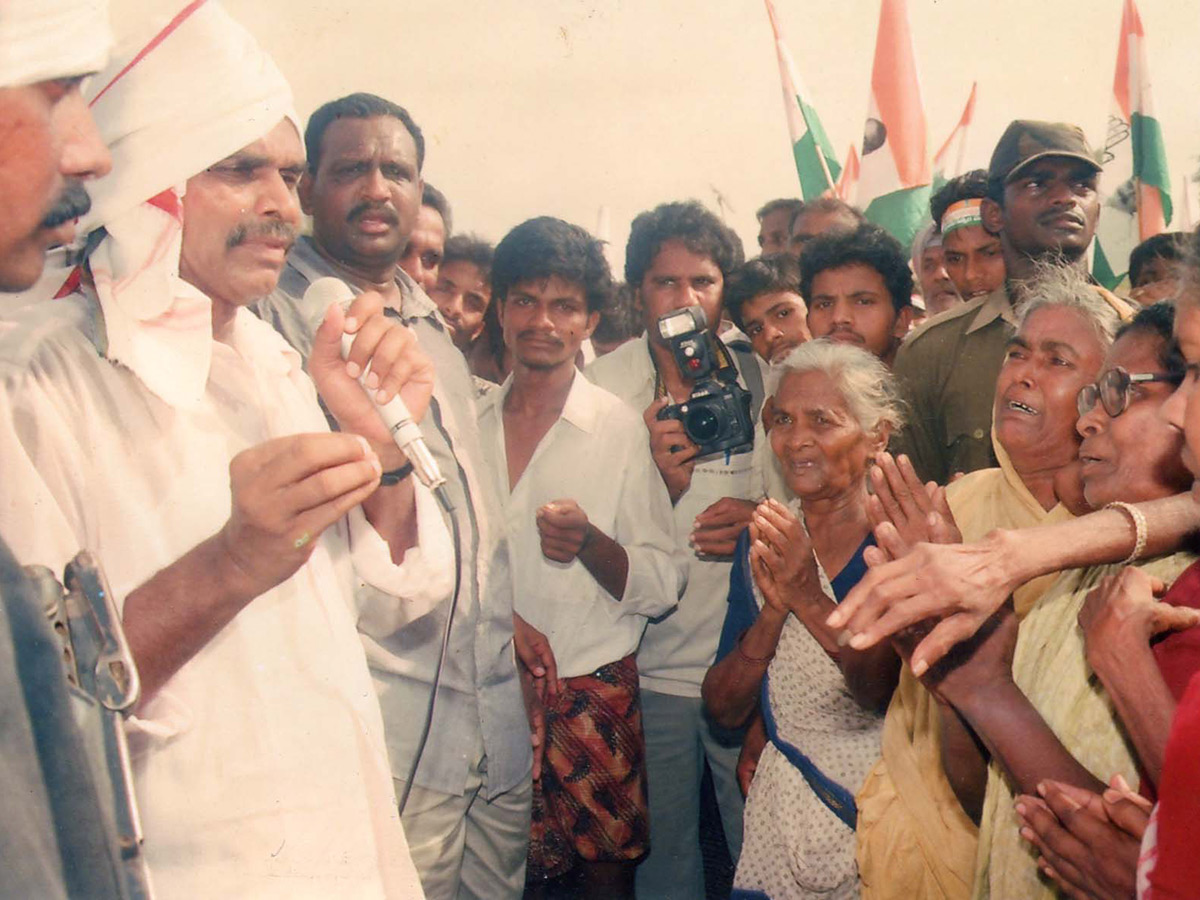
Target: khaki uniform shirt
(947,370)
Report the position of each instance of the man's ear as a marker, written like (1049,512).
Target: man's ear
(593,320)
(992,214)
(904,320)
(304,191)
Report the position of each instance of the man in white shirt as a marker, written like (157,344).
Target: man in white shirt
(154,420)
(589,523)
(678,256)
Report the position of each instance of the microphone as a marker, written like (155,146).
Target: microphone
(394,413)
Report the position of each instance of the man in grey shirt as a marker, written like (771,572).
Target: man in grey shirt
(466,816)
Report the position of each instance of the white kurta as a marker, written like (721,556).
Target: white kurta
(260,765)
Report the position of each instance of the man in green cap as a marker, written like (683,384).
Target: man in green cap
(1043,204)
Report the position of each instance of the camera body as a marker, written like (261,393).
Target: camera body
(717,414)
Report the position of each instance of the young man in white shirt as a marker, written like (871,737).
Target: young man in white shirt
(589,523)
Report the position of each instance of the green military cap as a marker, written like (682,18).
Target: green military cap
(1025,141)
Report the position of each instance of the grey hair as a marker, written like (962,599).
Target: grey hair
(866,384)
(1058,285)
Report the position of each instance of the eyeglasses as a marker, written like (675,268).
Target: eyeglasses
(1112,390)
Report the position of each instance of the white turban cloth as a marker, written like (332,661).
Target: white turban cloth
(44,39)
(187,87)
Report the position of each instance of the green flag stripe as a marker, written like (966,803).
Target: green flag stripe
(901,213)
(813,121)
(808,166)
(1150,157)
(1102,270)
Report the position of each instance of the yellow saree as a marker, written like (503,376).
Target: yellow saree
(914,840)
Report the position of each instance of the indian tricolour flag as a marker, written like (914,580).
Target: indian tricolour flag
(893,184)
(951,160)
(1135,183)
(815,161)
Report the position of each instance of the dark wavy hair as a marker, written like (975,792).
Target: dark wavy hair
(867,244)
(546,246)
(689,222)
(772,274)
(357,106)
(792,205)
(472,249)
(1158,320)
(1170,245)
(971,186)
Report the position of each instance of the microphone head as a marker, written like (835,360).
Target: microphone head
(324,291)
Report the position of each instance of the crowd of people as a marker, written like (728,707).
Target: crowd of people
(886,551)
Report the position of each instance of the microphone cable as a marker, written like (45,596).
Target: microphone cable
(444,500)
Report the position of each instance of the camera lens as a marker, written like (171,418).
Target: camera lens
(702,424)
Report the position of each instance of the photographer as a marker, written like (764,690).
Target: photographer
(678,257)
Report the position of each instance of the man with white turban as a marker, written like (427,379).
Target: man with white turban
(149,417)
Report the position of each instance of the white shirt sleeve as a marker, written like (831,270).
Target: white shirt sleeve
(390,596)
(646,529)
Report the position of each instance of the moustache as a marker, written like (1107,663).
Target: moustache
(72,203)
(1075,217)
(386,213)
(540,336)
(849,333)
(272,229)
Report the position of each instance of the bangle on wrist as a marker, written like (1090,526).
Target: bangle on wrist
(395,476)
(1141,533)
(753,660)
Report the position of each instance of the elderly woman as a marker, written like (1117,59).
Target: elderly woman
(916,838)
(1042,716)
(1089,842)
(832,408)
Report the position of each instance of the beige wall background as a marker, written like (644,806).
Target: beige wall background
(535,107)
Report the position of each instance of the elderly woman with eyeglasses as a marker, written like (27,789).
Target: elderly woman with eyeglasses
(1146,653)
(1031,700)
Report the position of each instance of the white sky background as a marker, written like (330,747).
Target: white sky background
(534,107)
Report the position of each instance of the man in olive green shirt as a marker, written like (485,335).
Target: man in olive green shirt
(1042,201)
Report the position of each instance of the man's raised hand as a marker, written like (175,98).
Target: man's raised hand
(673,451)
(396,364)
(286,492)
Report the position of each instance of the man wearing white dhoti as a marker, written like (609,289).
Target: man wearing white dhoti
(150,418)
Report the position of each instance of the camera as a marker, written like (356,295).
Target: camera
(717,414)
